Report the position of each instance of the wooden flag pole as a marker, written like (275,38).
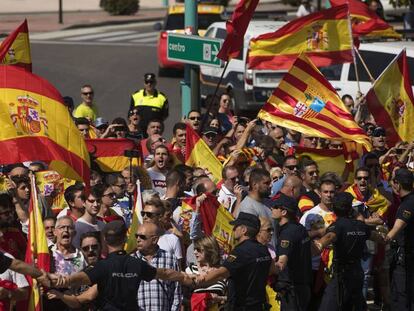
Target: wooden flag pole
(365,66)
(357,74)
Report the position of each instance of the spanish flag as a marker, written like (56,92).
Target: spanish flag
(324,36)
(376,203)
(37,251)
(391,98)
(305,102)
(366,22)
(236,28)
(15,49)
(109,153)
(198,154)
(36,125)
(131,243)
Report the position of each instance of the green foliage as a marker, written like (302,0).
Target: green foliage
(120,7)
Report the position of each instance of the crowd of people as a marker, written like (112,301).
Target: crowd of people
(303,239)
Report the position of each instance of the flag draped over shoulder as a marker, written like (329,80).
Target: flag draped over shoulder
(236,28)
(37,251)
(198,154)
(36,125)
(324,36)
(391,98)
(109,153)
(15,49)
(131,243)
(366,22)
(305,101)
(376,203)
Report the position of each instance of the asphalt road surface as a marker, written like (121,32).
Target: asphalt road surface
(113,62)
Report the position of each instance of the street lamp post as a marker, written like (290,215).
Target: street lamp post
(60,12)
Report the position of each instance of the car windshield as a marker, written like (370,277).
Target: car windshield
(176,21)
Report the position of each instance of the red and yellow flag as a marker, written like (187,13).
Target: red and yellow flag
(36,125)
(198,154)
(324,36)
(37,251)
(305,102)
(236,28)
(109,153)
(376,203)
(131,243)
(366,22)
(391,98)
(15,49)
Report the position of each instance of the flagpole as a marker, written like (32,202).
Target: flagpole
(365,66)
(357,75)
(203,122)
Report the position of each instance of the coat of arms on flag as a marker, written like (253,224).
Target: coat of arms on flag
(304,111)
(26,118)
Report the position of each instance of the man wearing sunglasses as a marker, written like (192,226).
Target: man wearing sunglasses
(87,109)
(151,103)
(165,295)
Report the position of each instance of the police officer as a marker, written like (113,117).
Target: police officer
(348,236)
(247,267)
(402,283)
(151,103)
(119,275)
(294,261)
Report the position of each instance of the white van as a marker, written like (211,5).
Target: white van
(252,88)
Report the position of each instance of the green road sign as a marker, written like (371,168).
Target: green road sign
(192,49)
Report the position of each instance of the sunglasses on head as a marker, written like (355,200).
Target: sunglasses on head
(88,248)
(149,214)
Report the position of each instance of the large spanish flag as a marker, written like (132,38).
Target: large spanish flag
(366,22)
(15,49)
(36,125)
(198,154)
(236,28)
(305,101)
(391,100)
(324,36)
(37,251)
(109,153)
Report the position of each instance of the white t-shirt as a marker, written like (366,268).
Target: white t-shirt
(328,218)
(158,181)
(82,226)
(171,244)
(16,278)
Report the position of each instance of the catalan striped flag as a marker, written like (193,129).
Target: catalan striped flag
(376,203)
(324,36)
(366,22)
(15,49)
(36,125)
(109,153)
(236,29)
(37,251)
(198,154)
(305,101)
(131,243)
(391,97)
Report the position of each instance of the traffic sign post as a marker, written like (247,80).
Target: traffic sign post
(194,50)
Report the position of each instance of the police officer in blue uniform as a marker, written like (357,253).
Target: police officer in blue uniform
(294,263)
(348,236)
(402,237)
(247,267)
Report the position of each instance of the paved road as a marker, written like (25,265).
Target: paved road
(111,59)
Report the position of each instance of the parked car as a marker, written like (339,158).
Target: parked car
(174,23)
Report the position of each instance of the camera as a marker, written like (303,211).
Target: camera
(132,153)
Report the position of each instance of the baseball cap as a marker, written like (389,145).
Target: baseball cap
(149,77)
(100,121)
(285,202)
(210,130)
(379,131)
(115,228)
(246,219)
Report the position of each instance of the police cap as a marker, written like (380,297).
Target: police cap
(115,228)
(246,219)
(149,77)
(285,202)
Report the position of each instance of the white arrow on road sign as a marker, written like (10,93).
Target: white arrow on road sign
(215,52)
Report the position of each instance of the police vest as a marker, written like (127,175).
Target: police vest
(156,101)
